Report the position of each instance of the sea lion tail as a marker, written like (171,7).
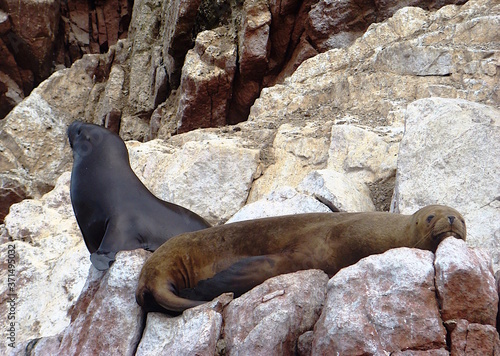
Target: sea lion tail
(165,297)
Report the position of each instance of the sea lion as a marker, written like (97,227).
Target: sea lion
(195,267)
(114,210)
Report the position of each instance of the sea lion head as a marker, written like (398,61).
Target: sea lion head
(88,140)
(433,223)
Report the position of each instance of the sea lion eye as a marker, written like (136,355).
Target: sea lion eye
(429,218)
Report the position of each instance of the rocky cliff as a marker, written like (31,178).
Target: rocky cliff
(405,115)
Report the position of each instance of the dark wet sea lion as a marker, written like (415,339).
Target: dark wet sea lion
(195,267)
(114,210)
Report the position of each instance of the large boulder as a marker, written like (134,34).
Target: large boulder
(448,155)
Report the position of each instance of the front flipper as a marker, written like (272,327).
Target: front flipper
(240,277)
(102,261)
(118,237)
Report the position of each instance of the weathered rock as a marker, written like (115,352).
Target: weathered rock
(336,191)
(34,29)
(472,339)
(107,297)
(297,150)
(269,319)
(212,177)
(334,24)
(363,155)
(342,81)
(207,81)
(195,332)
(92,29)
(49,252)
(457,141)
(460,270)
(384,303)
(281,202)
(37,35)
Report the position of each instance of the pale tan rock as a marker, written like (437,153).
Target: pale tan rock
(212,177)
(457,141)
(195,332)
(49,252)
(297,150)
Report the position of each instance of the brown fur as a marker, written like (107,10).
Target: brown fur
(197,266)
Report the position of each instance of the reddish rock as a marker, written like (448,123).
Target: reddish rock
(11,192)
(34,30)
(178,36)
(472,339)
(106,315)
(207,81)
(93,30)
(465,283)
(383,304)
(269,319)
(437,352)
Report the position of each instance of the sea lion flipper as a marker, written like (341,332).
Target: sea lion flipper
(111,243)
(102,261)
(238,278)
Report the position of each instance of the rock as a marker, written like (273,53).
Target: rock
(38,347)
(107,297)
(304,343)
(335,24)
(464,159)
(352,81)
(472,339)
(212,177)
(195,332)
(37,36)
(254,48)
(49,252)
(269,319)
(460,270)
(207,81)
(281,202)
(384,303)
(336,191)
(296,151)
(34,26)
(363,155)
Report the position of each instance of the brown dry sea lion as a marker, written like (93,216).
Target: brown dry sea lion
(199,266)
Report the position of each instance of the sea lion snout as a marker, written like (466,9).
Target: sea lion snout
(451,219)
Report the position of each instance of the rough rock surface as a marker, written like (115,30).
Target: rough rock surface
(49,252)
(38,36)
(460,268)
(195,332)
(368,304)
(289,305)
(471,162)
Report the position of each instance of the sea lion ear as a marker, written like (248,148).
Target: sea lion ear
(429,218)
